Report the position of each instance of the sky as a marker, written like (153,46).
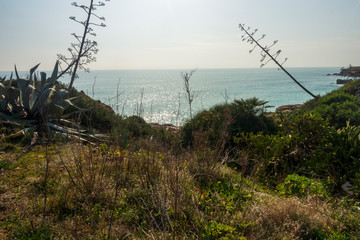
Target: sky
(183,34)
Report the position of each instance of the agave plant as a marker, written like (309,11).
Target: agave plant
(33,103)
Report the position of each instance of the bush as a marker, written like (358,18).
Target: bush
(338,106)
(300,186)
(338,156)
(96,116)
(136,127)
(223,122)
(273,157)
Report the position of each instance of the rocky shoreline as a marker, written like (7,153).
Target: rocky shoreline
(352,71)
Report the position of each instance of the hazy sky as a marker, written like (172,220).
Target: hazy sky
(183,34)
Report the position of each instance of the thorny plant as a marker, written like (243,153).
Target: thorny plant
(83,50)
(266,56)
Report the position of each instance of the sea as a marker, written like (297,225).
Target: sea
(159,96)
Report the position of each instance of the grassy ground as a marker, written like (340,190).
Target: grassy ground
(150,191)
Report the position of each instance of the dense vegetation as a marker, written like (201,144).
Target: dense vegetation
(231,172)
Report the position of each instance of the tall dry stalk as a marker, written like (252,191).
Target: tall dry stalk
(189,93)
(266,56)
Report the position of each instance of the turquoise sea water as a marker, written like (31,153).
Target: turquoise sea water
(159,96)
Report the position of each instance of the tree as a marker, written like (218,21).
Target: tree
(83,50)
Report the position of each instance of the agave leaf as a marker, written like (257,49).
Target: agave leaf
(2,79)
(43,79)
(35,81)
(65,122)
(10,82)
(16,119)
(41,100)
(3,105)
(2,87)
(45,96)
(71,104)
(26,97)
(62,93)
(59,99)
(73,132)
(16,72)
(54,73)
(22,83)
(11,75)
(11,96)
(63,129)
(33,70)
(34,98)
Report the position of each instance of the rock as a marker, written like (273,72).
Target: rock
(346,187)
(288,108)
(167,126)
(343,81)
(349,72)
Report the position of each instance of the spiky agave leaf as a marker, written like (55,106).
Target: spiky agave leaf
(2,87)
(17,118)
(34,98)
(22,84)
(45,95)
(53,78)
(32,70)
(3,104)
(16,72)
(43,79)
(27,95)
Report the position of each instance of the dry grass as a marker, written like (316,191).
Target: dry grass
(291,218)
(145,193)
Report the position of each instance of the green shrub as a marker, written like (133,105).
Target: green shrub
(300,186)
(29,232)
(273,157)
(338,156)
(215,230)
(136,127)
(96,115)
(338,106)
(225,121)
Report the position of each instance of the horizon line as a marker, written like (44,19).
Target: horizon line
(180,69)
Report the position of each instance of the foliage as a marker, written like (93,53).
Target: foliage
(31,233)
(136,127)
(300,186)
(95,115)
(338,106)
(273,157)
(337,156)
(214,230)
(223,122)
